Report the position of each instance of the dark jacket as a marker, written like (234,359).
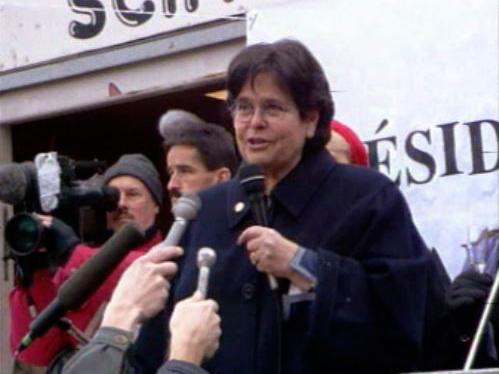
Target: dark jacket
(371,298)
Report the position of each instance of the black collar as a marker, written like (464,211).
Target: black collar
(293,192)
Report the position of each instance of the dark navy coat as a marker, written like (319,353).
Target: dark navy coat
(371,298)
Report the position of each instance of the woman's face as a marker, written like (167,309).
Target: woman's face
(269,130)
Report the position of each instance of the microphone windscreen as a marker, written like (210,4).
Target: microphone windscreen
(187,207)
(252,179)
(206,257)
(172,122)
(13,183)
(76,290)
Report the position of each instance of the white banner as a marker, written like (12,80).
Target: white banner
(418,80)
(34,31)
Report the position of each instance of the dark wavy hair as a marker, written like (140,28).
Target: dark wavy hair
(297,71)
(214,144)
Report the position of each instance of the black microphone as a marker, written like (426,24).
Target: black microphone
(16,180)
(252,181)
(76,290)
(184,210)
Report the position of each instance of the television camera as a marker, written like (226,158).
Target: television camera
(69,190)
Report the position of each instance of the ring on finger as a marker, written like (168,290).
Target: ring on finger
(254,260)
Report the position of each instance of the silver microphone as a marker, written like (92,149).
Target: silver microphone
(205,260)
(185,210)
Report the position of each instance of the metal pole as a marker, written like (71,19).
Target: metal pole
(483,322)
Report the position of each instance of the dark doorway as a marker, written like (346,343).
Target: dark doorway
(108,132)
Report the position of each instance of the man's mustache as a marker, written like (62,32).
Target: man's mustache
(175,194)
(122,213)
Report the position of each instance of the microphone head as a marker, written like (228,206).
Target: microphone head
(13,183)
(170,122)
(206,257)
(187,207)
(252,179)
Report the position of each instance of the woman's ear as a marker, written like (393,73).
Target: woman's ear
(311,120)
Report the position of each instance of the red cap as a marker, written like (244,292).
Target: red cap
(357,149)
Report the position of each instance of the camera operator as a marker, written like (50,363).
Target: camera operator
(141,196)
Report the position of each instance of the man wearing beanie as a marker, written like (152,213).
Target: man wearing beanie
(141,196)
(141,192)
(198,155)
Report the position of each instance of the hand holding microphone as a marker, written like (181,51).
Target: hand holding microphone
(268,250)
(77,289)
(195,323)
(143,289)
(252,182)
(195,329)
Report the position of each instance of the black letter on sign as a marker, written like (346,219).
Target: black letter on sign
(133,17)
(191,5)
(449,149)
(95,10)
(477,150)
(373,151)
(419,156)
(169,7)
(374,160)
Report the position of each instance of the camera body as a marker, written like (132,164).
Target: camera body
(78,198)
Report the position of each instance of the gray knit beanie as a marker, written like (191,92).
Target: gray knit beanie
(139,166)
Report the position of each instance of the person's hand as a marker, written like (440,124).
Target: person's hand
(466,299)
(195,329)
(268,250)
(60,239)
(143,289)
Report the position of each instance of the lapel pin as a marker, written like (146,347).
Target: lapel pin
(238,208)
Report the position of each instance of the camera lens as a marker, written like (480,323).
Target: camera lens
(23,233)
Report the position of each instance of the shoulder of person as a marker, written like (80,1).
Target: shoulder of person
(218,191)
(359,181)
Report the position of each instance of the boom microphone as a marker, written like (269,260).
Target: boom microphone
(252,182)
(173,121)
(205,260)
(185,210)
(76,290)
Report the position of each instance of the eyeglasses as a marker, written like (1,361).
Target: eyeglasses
(269,110)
